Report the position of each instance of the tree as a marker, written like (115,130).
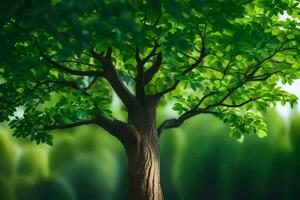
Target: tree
(61,61)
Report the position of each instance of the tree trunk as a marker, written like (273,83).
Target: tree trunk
(144,170)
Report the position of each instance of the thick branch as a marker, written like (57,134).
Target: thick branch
(111,75)
(176,122)
(119,129)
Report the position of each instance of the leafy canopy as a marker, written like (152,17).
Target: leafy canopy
(209,56)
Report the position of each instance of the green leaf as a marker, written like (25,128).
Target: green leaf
(261,133)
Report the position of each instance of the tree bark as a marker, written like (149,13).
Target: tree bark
(143,154)
(144,170)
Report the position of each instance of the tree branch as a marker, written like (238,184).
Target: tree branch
(227,67)
(139,83)
(119,129)
(203,99)
(195,111)
(264,76)
(111,75)
(143,78)
(66,69)
(70,84)
(78,62)
(212,68)
(152,53)
(188,56)
(91,83)
(71,125)
(153,69)
(172,123)
(256,67)
(176,122)
(240,104)
(31,90)
(202,55)
(248,77)
(157,19)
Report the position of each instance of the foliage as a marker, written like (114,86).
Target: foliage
(217,57)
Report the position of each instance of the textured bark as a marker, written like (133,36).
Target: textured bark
(143,154)
(144,171)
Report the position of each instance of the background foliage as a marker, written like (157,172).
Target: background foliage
(201,162)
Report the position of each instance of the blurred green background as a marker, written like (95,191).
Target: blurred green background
(199,161)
